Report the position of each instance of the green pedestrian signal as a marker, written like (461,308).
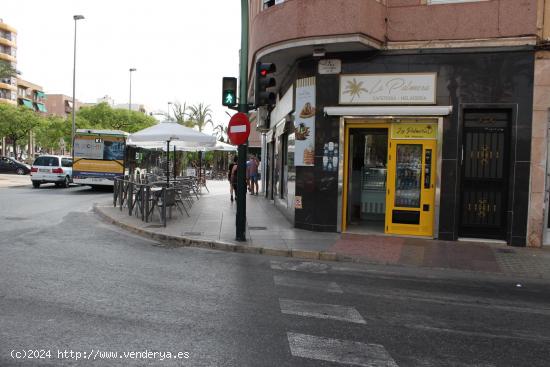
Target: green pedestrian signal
(229,92)
(229,99)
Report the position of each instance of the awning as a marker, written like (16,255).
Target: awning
(41,107)
(28,104)
(40,94)
(389,110)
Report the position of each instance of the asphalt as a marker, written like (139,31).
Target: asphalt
(69,281)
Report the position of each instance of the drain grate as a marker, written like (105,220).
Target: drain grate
(192,233)
(505,251)
(257,228)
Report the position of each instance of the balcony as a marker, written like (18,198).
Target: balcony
(350,25)
(7,57)
(294,28)
(7,86)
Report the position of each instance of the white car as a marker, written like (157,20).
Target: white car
(52,169)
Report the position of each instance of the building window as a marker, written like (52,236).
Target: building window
(269,3)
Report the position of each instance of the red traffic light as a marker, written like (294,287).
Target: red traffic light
(263,72)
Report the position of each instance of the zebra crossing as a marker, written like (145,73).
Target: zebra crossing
(319,348)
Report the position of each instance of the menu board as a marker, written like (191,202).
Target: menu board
(408,175)
(304,122)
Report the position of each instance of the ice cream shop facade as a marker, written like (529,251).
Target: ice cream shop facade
(434,143)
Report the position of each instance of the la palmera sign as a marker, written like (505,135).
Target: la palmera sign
(381,89)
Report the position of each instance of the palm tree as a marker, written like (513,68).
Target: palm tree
(201,115)
(221,132)
(181,114)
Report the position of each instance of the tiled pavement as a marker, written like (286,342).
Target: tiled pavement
(213,219)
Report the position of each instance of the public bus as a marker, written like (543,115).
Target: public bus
(98,156)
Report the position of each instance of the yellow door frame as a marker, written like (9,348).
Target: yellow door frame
(355,125)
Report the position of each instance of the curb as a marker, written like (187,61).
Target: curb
(180,241)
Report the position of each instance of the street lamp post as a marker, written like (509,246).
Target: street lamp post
(75,17)
(130,99)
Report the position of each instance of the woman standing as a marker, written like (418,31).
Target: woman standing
(232,177)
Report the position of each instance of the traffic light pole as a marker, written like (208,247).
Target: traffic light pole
(240,223)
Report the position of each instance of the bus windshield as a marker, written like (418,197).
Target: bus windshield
(104,148)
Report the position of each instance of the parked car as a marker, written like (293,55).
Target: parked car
(10,165)
(52,169)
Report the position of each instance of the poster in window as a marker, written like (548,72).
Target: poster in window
(304,122)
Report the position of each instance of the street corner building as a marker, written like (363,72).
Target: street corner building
(408,117)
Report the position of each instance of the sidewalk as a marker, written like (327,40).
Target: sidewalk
(212,225)
(10,180)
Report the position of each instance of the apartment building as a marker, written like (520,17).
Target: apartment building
(31,96)
(8,53)
(61,105)
(408,117)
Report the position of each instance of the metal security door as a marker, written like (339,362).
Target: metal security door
(484,186)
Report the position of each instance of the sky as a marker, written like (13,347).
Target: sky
(180,48)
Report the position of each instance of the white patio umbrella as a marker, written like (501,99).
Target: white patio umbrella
(167,132)
(182,147)
(222,147)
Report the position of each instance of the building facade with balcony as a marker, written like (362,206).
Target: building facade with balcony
(408,117)
(8,54)
(31,95)
(61,105)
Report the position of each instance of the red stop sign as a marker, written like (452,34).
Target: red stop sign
(239,129)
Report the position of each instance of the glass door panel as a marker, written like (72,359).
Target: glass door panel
(408,175)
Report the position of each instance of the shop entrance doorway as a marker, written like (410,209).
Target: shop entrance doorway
(367,172)
(390,177)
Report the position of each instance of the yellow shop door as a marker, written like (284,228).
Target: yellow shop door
(411,187)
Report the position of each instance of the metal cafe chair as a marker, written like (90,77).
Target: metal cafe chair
(164,202)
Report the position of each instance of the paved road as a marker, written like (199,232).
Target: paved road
(68,282)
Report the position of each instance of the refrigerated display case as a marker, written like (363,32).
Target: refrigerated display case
(373,193)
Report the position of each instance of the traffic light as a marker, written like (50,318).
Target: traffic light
(229,92)
(263,82)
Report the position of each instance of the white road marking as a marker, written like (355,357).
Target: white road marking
(321,311)
(319,285)
(340,351)
(301,266)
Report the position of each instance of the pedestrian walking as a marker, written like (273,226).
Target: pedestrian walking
(233,177)
(253,174)
(230,178)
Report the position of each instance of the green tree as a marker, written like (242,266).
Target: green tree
(52,131)
(16,123)
(7,70)
(201,115)
(103,116)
